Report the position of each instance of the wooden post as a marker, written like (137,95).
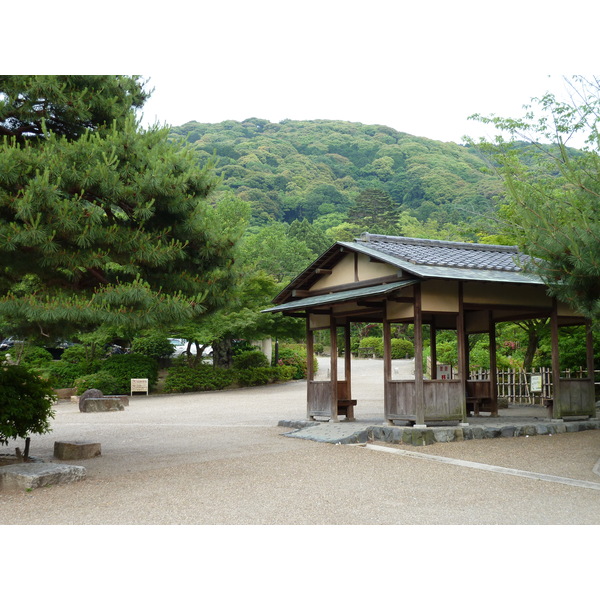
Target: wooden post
(433,349)
(556,400)
(387,369)
(419,389)
(310,375)
(462,349)
(493,372)
(348,360)
(334,374)
(589,346)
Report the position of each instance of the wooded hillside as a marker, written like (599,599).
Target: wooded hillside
(315,170)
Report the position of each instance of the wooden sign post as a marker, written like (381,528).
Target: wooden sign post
(139,386)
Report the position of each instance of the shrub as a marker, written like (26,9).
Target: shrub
(155,345)
(62,374)
(25,404)
(34,356)
(402,348)
(102,380)
(264,375)
(125,367)
(200,378)
(250,359)
(75,354)
(295,356)
(373,342)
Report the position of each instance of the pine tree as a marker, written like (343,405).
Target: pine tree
(102,222)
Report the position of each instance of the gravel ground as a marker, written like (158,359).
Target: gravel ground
(220,458)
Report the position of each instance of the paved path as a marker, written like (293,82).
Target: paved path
(220,458)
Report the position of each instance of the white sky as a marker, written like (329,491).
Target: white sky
(421,67)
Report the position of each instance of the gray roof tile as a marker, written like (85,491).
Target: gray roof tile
(438,253)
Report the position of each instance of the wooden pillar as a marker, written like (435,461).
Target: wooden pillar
(433,349)
(348,359)
(310,375)
(556,400)
(334,372)
(387,369)
(419,389)
(493,362)
(589,346)
(462,349)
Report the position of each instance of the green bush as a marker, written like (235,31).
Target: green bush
(155,345)
(402,348)
(199,378)
(295,356)
(62,374)
(34,356)
(25,403)
(264,375)
(373,342)
(125,367)
(75,354)
(102,380)
(250,359)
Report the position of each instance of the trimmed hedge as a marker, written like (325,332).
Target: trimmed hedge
(199,378)
(103,381)
(125,367)
(204,378)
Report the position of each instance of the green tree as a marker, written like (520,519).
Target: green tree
(374,211)
(106,222)
(554,191)
(25,404)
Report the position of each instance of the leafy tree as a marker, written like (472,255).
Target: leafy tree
(101,222)
(316,240)
(554,191)
(25,404)
(309,169)
(374,211)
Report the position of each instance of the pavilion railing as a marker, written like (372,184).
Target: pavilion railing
(514,385)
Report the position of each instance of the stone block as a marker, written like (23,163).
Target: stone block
(76,450)
(101,404)
(28,476)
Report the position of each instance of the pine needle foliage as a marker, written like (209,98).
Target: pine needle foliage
(107,222)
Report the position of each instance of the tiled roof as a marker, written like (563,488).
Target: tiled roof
(439,253)
(331,298)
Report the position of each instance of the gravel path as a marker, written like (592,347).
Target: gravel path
(220,458)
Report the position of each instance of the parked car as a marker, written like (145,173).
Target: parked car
(8,343)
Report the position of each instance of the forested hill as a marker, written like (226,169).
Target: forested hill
(315,170)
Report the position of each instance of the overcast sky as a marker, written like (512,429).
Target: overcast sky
(419,67)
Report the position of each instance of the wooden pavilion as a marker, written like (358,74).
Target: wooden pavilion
(435,285)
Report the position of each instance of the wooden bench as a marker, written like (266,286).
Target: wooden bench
(479,398)
(346,409)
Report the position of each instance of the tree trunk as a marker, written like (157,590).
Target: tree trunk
(223,354)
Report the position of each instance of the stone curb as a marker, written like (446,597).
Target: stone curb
(354,433)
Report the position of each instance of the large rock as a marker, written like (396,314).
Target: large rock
(109,403)
(92,393)
(28,476)
(76,450)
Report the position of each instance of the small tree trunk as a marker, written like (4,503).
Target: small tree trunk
(223,354)
(26,451)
